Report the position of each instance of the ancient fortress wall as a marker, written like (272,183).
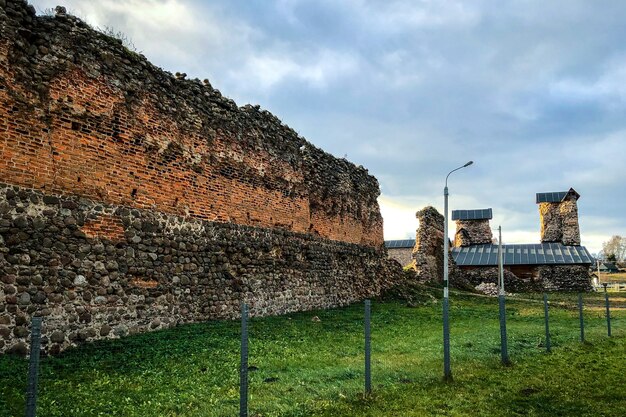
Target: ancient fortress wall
(132,199)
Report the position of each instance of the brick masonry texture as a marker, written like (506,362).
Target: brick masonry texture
(161,271)
(133,200)
(81,114)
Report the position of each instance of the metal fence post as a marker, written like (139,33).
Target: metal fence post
(547,315)
(608,312)
(243,371)
(368,348)
(504,351)
(580,316)
(33,370)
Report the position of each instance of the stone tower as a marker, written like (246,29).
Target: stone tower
(558,213)
(472,227)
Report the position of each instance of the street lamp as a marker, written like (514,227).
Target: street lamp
(447,373)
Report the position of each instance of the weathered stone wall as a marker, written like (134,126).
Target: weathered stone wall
(96,270)
(489,275)
(428,251)
(543,278)
(472,232)
(564,277)
(559,222)
(402,255)
(82,115)
(140,200)
(568,211)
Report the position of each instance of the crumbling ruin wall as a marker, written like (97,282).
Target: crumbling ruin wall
(472,232)
(428,251)
(564,277)
(133,200)
(489,275)
(568,211)
(404,255)
(82,115)
(95,270)
(544,278)
(559,222)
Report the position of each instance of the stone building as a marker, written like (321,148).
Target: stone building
(557,263)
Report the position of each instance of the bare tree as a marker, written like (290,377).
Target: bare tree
(615,246)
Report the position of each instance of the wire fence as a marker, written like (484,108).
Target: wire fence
(350,351)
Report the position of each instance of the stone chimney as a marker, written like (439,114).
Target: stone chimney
(558,214)
(472,227)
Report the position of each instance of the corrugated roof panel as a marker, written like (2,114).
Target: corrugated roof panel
(397,244)
(549,254)
(475,214)
(558,254)
(531,254)
(524,258)
(484,255)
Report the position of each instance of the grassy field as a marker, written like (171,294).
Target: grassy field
(615,277)
(301,367)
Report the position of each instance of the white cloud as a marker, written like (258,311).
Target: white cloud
(317,70)
(609,86)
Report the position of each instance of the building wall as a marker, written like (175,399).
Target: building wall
(132,200)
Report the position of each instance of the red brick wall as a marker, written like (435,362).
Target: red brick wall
(104,226)
(83,136)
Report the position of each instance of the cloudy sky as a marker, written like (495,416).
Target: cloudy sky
(533,91)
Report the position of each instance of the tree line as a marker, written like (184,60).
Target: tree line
(614,250)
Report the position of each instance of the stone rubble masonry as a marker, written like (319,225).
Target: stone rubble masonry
(162,271)
(564,277)
(428,251)
(489,275)
(134,200)
(403,255)
(544,278)
(559,222)
(80,114)
(472,232)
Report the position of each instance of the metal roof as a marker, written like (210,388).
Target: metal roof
(397,244)
(555,197)
(528,254)
(477,214)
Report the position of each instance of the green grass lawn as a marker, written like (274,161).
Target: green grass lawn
(300,367)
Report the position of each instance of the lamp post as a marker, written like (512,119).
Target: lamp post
(447,373)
